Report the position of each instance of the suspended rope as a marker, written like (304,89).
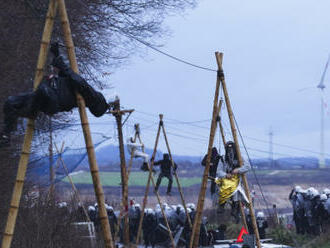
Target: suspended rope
(254,173)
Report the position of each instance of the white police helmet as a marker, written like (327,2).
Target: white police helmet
(298,189)
(323,197)
(260,215)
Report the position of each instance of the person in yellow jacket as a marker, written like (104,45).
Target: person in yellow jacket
(228,179)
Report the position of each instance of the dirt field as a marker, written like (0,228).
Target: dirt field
(276,186)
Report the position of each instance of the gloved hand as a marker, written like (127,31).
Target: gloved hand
(54,49)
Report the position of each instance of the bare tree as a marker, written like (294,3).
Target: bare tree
(106,33)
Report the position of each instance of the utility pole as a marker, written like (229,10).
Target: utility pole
(117,113)
(271,158)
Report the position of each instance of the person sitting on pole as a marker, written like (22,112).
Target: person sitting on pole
(165,171)
(228,179)
(56,93)
(136,150)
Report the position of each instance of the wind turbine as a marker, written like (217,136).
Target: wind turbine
(321,86)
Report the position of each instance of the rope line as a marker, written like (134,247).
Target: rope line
(254,173)
(167,54)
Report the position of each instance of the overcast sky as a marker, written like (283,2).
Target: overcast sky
(272,49)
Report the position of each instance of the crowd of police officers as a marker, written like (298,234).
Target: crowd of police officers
(311,210)
(154,227)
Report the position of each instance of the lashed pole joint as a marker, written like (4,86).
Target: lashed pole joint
(201,198)
(240,160)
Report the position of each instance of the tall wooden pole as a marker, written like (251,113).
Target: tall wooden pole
(220,125)
(86,131)
(240,160)
(24,159)
(145,198)
(176,177)
(194,241)
(123,210)
(124,179)
(130,164)
(51,161)
(156,192)
(224,144)
(75,190)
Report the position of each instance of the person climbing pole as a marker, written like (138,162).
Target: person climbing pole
(228,180)
(55,93)
(165,171)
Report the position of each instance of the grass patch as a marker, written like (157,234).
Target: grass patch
(136,179)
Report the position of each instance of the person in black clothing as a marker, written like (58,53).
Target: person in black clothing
(215,157)
(165,171)
(149,226)
(56,93)
(112,219)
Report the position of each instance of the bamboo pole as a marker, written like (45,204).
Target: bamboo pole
(176,177)
(240,160)
(145,198)
(220,125)
(224,144)
(124,178)
(51,161)
(194,241)
(156,192)
(86,131)
(130,164)
(162,210)
(24,158)
(75,190)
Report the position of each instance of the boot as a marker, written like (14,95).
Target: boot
(144,167)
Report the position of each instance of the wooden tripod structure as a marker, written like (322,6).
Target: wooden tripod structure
(198,218)
(161,126)
(145,199)
(22,166)
(117,113)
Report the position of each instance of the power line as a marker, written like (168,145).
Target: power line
(248,137)
(254,173)
(167,54)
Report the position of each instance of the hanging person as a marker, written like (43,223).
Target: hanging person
(55,93)
(215,157)
(228,180)
(165,171)
(136,150)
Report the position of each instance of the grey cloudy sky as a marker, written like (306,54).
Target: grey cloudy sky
(272,49)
